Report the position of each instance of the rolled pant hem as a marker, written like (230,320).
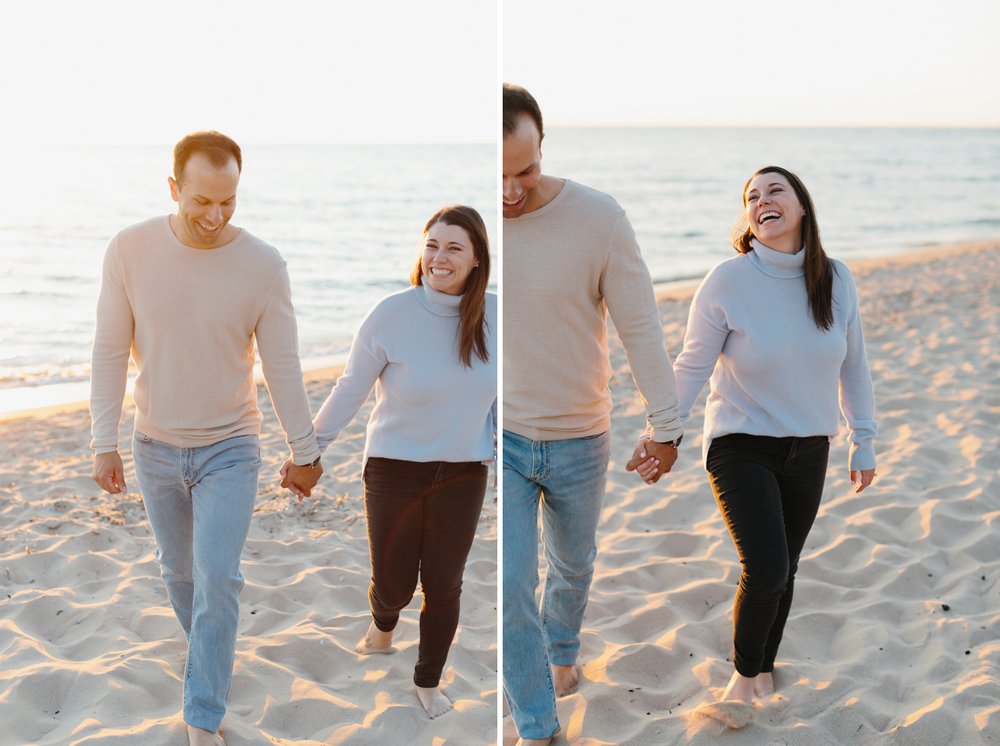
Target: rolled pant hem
(561,663)
(211,725)
(744,670)
(385,627)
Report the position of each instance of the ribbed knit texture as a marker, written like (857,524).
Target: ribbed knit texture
(428,405)
(565,267)
(773,371)
(189,318)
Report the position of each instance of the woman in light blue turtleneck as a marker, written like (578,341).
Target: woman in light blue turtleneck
(778,330)
(430,353)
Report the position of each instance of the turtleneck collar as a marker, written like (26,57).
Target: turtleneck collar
(439,304)
(777,263)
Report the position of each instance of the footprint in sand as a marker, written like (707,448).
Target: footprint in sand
(734,713)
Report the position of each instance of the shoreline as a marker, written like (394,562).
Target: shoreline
(39,401)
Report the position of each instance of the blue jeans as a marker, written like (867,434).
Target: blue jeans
(199,502)
(567,479)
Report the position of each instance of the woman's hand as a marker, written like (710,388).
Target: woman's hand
(299,479)
(863,477)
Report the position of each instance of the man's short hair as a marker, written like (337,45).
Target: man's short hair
(517,101)
(213,145)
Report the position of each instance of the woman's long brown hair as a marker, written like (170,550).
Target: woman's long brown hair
(818,267)
(472,324)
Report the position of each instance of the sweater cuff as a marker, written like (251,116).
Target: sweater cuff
(862,456)
(305,450)
(667,434)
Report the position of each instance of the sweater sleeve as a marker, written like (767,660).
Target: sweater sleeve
(112,346)
(707,330)
(278,343)
(365,364)
(857,398)
(628,292)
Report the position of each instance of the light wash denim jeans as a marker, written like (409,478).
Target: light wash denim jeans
(199,502)
(567,479)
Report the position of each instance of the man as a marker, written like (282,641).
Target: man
(186,295)
(570,257)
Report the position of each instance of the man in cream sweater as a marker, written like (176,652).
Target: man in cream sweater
(570,258)
(185,296)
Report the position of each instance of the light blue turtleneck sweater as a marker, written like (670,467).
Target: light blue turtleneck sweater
(428,405)
(773,371)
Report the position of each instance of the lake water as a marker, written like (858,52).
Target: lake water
(348,218)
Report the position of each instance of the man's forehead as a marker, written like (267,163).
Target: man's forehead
(525,129)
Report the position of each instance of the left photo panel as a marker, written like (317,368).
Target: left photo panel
(248,387)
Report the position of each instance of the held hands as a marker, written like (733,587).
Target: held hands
(300,479)
(651,460)
(109,473)
(863,477)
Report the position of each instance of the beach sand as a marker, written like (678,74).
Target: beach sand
(894,634)
(90,651)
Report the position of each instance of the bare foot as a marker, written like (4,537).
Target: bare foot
(375,642)
(764,684)
(434,701)
(202,737)
(566,679)
(739,688)
(534,741)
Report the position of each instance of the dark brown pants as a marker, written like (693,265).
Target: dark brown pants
(422,518)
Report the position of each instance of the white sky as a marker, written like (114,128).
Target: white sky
(753,63)
(301,71)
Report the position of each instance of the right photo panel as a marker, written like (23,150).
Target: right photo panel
(749,299)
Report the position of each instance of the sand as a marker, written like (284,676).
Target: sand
(92,653)
(894,634)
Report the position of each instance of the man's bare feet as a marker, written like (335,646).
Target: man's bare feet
(739,688)
(566,679)
(434,701)
(375,642)
(764,684)
(534,741)
(202,737)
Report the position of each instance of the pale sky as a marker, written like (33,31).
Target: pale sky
(302,71)
(746,63)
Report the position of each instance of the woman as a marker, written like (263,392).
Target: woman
(779,331)
(430,353)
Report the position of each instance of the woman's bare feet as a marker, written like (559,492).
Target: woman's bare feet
(202,737)
(735,707)
(764,684)
(739,688)
(566,679)
(434,701)
(375,642)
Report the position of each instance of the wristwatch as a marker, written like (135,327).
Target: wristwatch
(675,443)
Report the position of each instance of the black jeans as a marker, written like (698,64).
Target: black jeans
(769,491)
(422,518)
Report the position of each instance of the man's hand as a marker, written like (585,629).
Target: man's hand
(109,473)
(300,479)
(652,460)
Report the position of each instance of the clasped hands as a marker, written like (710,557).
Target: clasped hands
(651,460)
(300,479)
